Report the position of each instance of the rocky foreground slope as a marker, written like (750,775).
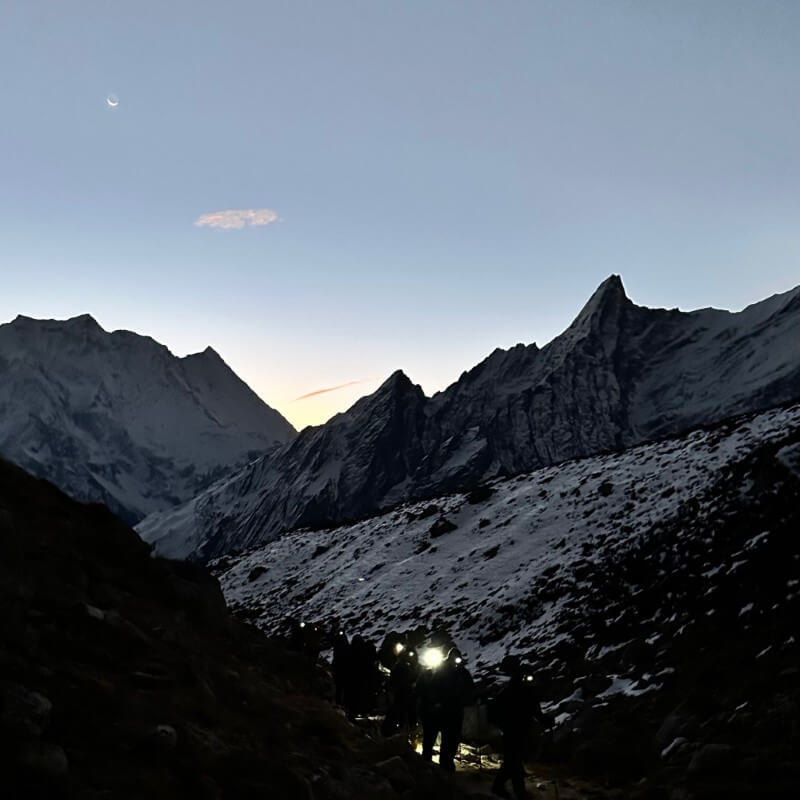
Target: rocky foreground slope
(116,418)
(620,375)
(123,676)
(655,591)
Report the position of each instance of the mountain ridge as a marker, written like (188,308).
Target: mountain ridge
(619,375)
(117,418)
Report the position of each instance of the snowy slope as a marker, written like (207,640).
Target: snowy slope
(620,375)
(503,577)
(116,418)
(655,594)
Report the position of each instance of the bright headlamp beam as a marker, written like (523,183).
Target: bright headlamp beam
(432,657)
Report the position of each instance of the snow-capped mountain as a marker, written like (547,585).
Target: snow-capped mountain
(620,375)
(654,593)
(116,418)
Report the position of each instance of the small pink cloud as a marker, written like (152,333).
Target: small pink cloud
(329,389)
(237,218)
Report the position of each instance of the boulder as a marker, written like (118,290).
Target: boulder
(677,748)
(24,712)
(677,723)
(43,760)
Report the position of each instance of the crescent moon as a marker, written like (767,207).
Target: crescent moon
(112,102)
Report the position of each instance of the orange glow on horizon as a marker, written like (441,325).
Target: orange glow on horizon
(317,407)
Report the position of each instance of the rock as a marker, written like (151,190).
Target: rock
(396,771)
(255,573)
(480,495)
(441,526)
(161,740)
(675,749)
(43,759)
(95,613)
(428,511)
(677,723)
(605,488)
(24,712)
(595,684)
(711,759)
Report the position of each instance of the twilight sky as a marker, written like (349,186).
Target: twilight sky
(328,191)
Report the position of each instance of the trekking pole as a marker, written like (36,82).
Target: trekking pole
(555,787)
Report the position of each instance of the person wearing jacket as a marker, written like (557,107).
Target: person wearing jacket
(443,693)
(513,711)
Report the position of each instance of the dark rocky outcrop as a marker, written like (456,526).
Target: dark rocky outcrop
(123,676)
(707,604)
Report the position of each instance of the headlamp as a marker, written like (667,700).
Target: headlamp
(529,678)
(398,648)
(459,659)
(432,657)
(302,624)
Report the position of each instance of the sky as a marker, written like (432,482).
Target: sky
(327,192)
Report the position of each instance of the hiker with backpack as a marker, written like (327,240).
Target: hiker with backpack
(513,710)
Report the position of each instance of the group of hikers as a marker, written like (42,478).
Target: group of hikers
(420,679)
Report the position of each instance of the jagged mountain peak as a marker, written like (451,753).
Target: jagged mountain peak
(398,381)
(500,365)
(606,301)
(397,397)
(620,375)
(208,356)
(395,388)
(83,320)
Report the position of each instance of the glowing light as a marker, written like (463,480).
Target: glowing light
(432,657)
(398,648)
(459,659)
(302,624)
(529,678)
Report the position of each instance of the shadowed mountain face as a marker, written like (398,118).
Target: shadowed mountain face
(123,676)
(116,418)
(620,375)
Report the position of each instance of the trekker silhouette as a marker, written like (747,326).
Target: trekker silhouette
(401,713)
(361,683)
(513,710)
(443,693)
(341,665)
